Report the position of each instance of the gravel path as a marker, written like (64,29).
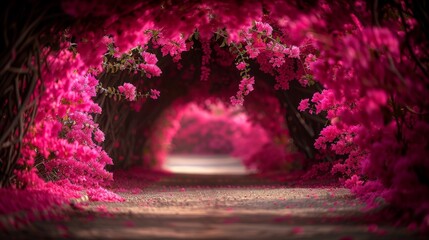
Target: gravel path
(185,206)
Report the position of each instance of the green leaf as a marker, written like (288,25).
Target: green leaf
(217,36)
(223,43)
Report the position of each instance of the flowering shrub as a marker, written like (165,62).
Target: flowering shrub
(216,131)
(374,102)
(128,90)
(203,133)
(64,131)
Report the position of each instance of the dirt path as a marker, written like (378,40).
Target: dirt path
(219,207)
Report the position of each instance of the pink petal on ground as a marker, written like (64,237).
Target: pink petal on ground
(373,228)
(231,220)
(90,217)
(281,219)
(297,230)
(129,223)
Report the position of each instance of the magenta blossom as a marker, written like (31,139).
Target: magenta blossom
(99,136)
(294,52)
(154,94)
(241,66)
(264,27)
(303,105)
(128,90)
(149,58)
(151,70)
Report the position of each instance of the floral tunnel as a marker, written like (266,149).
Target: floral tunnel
(85,85)
(145,127)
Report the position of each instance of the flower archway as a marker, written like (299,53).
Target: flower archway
(355,71)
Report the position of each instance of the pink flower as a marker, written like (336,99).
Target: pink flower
(149,58)
(128,90)
(303,105)
(294,52)
(303,81)
(246,85)
(154,94)
(236,101)
(253,52)
(107,40)
(99,136)
(264,27)
(277,61)
(309,59)
(353,182)
(241,66)
(151,70)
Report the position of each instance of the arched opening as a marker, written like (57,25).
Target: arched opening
(214,139)
(207,138)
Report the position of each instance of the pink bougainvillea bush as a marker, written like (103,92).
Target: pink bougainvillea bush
(375,101)
(61,158)
(368,60)
(214,131)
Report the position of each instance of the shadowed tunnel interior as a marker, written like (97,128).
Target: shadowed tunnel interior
(179,87)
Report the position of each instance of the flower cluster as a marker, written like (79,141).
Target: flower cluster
(128,90)
(154,94)
(245,87)
(206,132)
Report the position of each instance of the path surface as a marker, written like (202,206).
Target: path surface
(186,206)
